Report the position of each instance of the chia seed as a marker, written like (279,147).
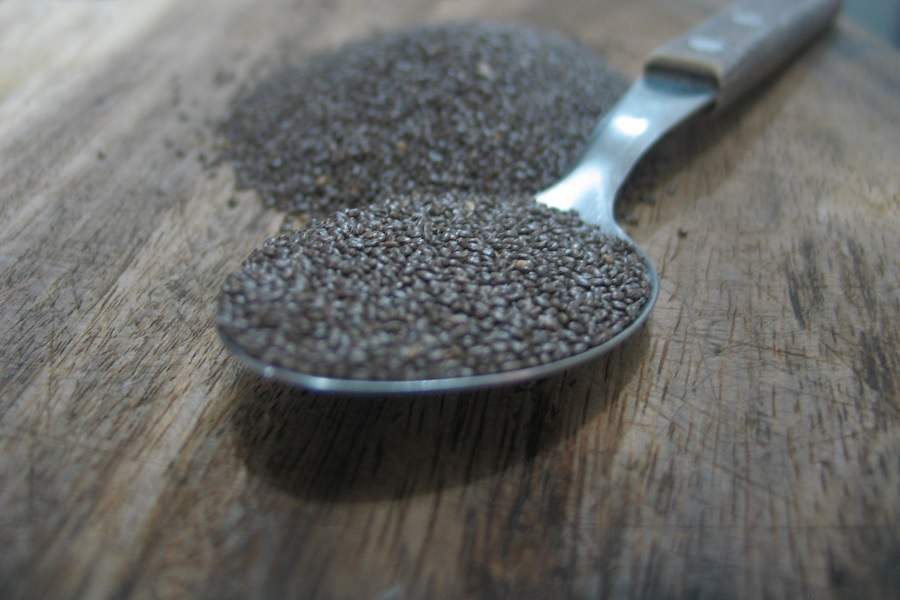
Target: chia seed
(432,286)
(484,108)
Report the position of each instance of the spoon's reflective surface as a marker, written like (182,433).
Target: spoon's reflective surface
(715,62)
(653,106)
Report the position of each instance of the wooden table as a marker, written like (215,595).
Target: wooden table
(747,444)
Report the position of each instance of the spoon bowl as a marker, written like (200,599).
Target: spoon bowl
(334,385)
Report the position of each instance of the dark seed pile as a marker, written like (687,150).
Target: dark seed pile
(431,287)
(486,108)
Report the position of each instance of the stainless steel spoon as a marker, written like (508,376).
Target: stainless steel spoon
(709,67)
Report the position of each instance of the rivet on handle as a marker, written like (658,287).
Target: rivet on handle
(747,18)
(702,43)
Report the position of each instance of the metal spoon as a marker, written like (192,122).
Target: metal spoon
(710,66)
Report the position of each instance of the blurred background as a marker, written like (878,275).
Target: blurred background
(881,17)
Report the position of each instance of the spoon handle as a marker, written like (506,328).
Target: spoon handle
(744,43)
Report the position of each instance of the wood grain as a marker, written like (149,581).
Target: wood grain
(746,444)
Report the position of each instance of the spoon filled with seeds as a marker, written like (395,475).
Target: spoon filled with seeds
(448,291)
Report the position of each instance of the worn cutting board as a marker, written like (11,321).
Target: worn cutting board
(747,444)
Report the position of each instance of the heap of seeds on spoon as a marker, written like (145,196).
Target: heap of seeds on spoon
(430,287)
(430,144)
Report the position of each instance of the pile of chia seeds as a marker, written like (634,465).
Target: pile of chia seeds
(484,108)
(432,286)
